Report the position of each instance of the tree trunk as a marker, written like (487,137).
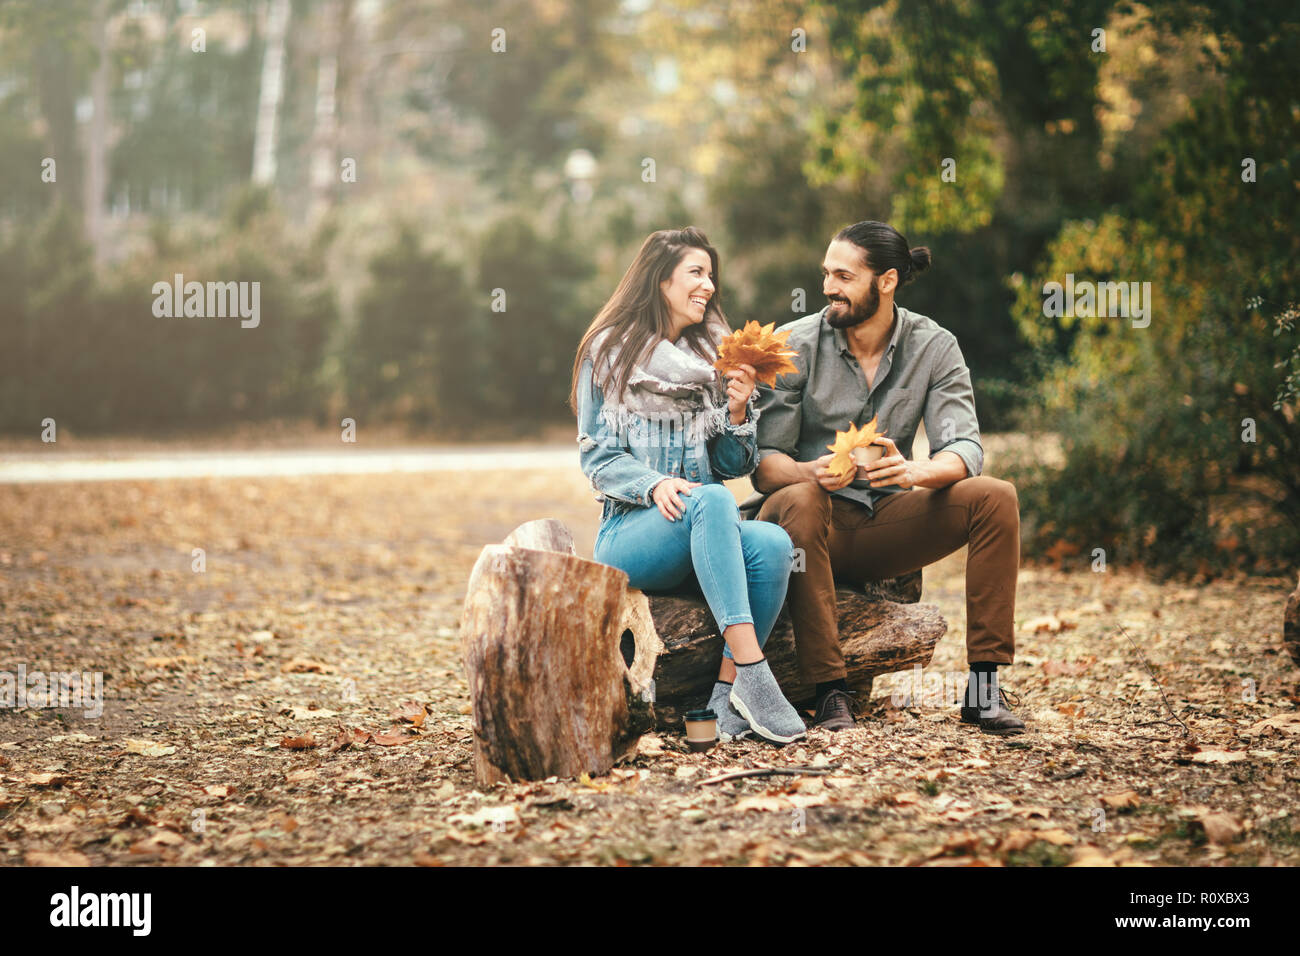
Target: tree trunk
(877,637)
(270,93)
(96,179)
(559,655)
(334,16)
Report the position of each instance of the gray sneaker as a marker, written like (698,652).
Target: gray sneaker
(758,698)
(731,726)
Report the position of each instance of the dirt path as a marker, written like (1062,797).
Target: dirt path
(330,603)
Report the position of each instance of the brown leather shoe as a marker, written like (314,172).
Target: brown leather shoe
(1002,722)
(835,711)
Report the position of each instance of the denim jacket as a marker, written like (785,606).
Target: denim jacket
(624,468)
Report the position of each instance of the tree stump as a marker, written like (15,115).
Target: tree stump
(559,655)
(566,667)
(877,636)
(1291,624)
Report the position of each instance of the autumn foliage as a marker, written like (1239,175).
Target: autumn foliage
(760,347)
(842,462)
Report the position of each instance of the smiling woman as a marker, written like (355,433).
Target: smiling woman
(688,291)
(646,360)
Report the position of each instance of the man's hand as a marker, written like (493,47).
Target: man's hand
(740,385)
(667,493)
(818,472)
(894,469)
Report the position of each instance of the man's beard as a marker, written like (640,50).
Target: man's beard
(851,316)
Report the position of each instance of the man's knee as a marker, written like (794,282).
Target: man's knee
(995,493)
(1001,493)
(802,497)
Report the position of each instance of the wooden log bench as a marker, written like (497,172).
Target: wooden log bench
(568,666)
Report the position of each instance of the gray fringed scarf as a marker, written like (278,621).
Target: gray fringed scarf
(672,384)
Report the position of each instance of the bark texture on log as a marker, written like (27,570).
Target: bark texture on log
(878,637)
(1291,624)
(564,660)
(545,635)
(905,589)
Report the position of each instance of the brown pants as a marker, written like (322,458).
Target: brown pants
(842,540)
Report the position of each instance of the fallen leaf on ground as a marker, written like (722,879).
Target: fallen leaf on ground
(1049,623)
(147,748)
(170,663)
(1030,812)
(302,666)
(56,858)
(649,745)
(306,713)
(1219,756)
(1017,840)
(394,736)
(1075,668)
(1125,800)
(485,817)
(762,803)
(409,711)
(46,779)
(64,738)
(349,737)
(584,780)
(1282,723)
(962,843)
(1219,827)
(1090,855)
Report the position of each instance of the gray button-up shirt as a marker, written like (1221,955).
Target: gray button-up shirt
(922,374)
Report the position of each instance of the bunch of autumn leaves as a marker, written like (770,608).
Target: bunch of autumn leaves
(766,350)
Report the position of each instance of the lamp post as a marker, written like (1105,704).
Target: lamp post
(580,169)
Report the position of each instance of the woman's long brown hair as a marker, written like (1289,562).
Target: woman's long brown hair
(637,315)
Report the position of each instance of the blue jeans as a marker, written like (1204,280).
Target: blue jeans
(742,567)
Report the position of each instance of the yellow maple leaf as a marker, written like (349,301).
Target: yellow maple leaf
(760,347)
(842,462)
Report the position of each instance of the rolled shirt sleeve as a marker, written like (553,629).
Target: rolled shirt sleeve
(779,407)
(950,422)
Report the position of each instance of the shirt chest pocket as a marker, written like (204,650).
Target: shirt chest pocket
(900,411)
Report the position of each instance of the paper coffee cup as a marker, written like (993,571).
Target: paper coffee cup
(701,729)
(866,456)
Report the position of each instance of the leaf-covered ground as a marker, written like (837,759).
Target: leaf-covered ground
(302,701)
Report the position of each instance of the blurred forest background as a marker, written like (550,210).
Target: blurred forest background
(382,166)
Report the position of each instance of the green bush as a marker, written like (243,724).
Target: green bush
(90,352)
